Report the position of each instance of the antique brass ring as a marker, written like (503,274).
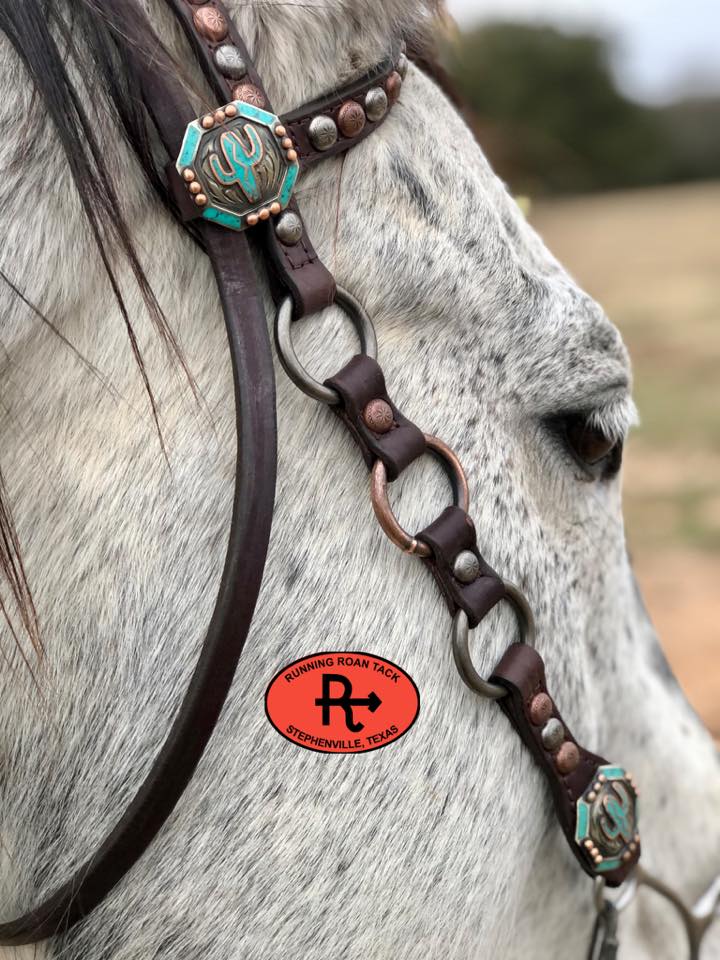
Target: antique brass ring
(461,642)
(381,502)
(286,351)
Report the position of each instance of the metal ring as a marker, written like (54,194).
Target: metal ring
(627,893)
(461,643)
(381,503)
(286,351)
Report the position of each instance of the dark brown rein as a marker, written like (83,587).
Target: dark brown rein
(298,272)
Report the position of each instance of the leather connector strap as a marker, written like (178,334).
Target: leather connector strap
(375,423)
(450,535)
(595,802)
(296,267)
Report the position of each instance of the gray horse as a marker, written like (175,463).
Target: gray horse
(443,844)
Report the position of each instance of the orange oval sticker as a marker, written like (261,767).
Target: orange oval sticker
(342,702)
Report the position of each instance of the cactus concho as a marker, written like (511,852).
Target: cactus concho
(239,165)
(607,817)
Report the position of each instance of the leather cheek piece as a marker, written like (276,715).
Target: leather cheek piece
(522,672)
(452,533)
(360,381)
(298,270)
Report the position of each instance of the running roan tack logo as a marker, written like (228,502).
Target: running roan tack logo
(342,702)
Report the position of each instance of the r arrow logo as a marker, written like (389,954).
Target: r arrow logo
(345,701)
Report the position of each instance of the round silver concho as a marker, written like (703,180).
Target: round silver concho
(286,351)
(466,568)
(461,643)
(229,62)
(289,228)
(376,104)
(323,132)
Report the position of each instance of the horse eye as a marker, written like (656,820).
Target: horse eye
(598,453)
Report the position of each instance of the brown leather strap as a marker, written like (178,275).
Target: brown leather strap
(247,546)
(450,535)
(383,433)
(572,772)
(393,439)
(213,35)
(339,108)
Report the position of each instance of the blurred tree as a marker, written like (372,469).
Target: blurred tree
(549,113)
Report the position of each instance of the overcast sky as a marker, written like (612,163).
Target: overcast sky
(664,47)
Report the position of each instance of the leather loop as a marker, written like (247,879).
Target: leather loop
(522,672)
(358,383)
(451,534)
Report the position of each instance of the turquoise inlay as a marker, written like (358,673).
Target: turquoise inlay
(619,820)
(255,113)
(581,830)
(613,773)
(189,147)
(241,159)
(288,184)
(224,218)
(608,865)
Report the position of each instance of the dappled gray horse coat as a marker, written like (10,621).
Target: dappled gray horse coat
(443,844)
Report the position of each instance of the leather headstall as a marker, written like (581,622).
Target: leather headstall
(232,172)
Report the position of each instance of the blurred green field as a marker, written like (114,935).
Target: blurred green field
(652,258)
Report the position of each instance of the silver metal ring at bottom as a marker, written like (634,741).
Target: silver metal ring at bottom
(286,351)
(461,643)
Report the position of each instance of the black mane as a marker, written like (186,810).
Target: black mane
(54,40)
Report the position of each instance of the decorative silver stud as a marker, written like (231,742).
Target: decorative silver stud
(466,568)
(376,104)
(402,65)
(552,734)
(229,62)
(323,132)
(289,228)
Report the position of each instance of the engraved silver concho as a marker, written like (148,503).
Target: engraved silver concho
(607,820)
(238,165)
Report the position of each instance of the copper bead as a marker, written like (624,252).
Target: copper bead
(351,118)
(393,86)
(207,122)
(249,93)
(541,709)
(567,757)
(201,199)
(378,416)
(188,175)
(210,23)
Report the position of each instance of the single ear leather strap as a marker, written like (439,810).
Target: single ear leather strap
(595,802)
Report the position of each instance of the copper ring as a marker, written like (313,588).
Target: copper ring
(383,510)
